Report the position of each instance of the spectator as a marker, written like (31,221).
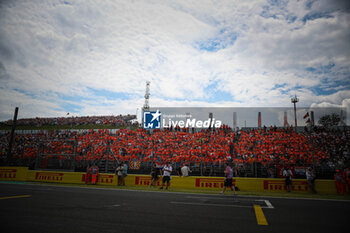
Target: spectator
(212,170)
(240,171)
(346,176)
(287,174)
(125,172)
(88,174)
(270,173)
(167,169)
(155,172)
(185,170)
(310,176)
(94,174)
(339,182)
(178,171)
(119,172)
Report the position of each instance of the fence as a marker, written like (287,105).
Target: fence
(68,161)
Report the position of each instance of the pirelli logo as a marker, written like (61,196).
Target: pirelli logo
(8,173)
(279,185)
(146,181)
(102,179)
(49,176)
(210,182)
(105,179)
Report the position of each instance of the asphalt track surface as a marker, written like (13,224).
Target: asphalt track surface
(47,208)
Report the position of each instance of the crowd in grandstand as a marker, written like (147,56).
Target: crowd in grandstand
(119,120)
(335,144)
(324,148)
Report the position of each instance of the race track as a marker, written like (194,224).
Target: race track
(48,208)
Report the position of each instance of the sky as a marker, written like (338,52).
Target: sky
(94,57)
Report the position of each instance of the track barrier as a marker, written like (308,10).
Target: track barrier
(191,182)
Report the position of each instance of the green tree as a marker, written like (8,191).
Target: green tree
(329,120)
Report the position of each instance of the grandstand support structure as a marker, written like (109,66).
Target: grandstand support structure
(235,121)
(38,156)
(201,164)
(313,118)
(110,163)
(285,122)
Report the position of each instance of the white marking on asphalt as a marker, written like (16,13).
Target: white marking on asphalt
(267,202)
(207,204)
(208,197)
(269,205)
(115,205)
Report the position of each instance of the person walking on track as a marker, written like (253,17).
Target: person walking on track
(228,182)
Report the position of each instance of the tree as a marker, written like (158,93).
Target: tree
(329,120)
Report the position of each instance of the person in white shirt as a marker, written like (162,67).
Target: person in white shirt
(287,174)
(167,169)
(185,170)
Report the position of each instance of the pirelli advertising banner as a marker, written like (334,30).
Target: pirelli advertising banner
(69,177)
(244,184)
(54,176)
(193,182)
(13,173)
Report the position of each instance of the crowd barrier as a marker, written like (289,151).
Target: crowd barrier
(191,182)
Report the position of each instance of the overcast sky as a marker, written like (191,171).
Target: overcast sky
(94,57)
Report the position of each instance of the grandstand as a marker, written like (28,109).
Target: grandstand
(115,121)
(253,151)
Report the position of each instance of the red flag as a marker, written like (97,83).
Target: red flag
(306,115)
(308,121)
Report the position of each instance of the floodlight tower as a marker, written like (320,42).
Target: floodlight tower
(295,100)
(147,94)
(146,104)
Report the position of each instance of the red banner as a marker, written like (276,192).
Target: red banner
(279,185)
(211,182)
(8,173)
(49,176)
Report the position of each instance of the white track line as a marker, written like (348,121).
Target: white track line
(213,197)
(204,204)
(268,203)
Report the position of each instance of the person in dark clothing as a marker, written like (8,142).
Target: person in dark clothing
(155,172)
